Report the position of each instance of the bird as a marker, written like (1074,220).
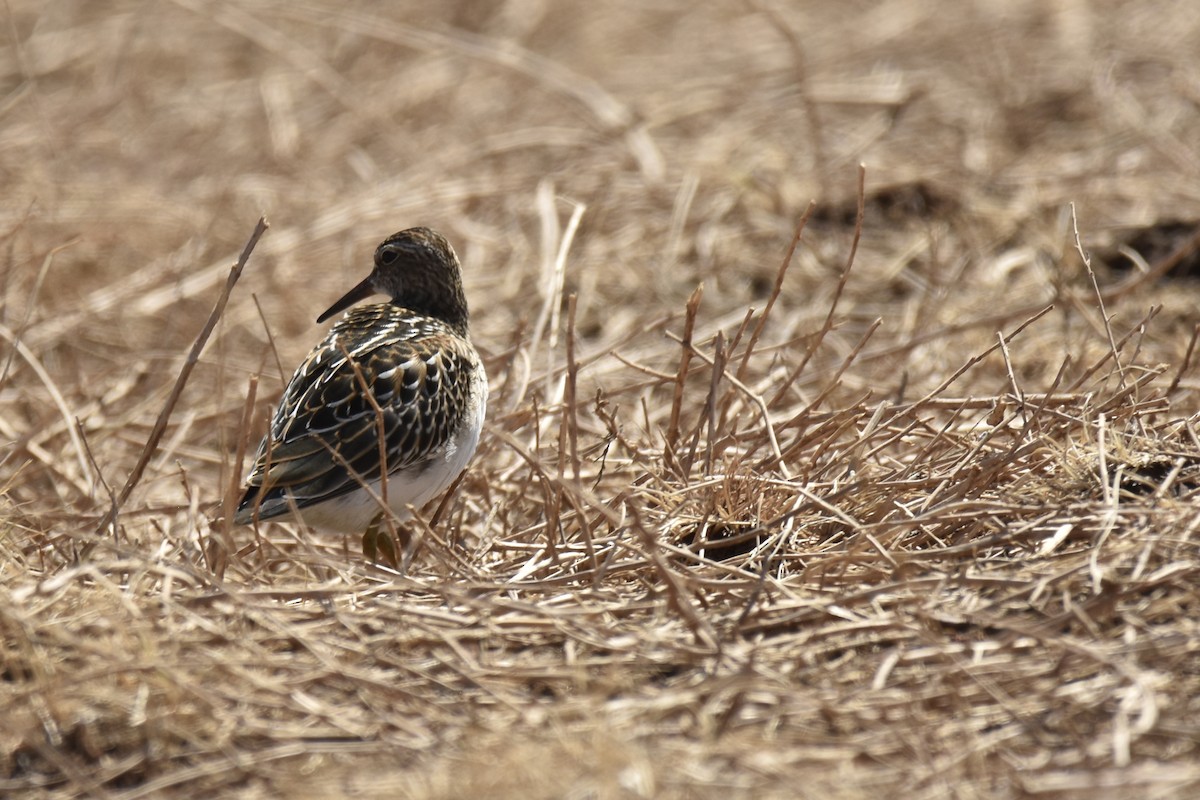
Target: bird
(386,412)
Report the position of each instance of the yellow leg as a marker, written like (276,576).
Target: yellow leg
(378,545)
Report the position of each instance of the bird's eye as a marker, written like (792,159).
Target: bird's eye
(388,255)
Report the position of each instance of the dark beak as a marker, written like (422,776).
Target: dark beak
(360,292)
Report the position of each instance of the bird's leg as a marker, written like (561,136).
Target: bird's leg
(410,540)
(378,545)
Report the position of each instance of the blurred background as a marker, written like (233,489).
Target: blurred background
(140,142)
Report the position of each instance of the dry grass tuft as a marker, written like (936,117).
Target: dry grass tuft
(890,494)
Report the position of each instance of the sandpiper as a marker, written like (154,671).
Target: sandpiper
(395,392)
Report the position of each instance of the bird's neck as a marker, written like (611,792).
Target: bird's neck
(447,303)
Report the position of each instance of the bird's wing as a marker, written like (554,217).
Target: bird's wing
(397,379)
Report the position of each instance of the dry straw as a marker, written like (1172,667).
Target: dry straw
(888,494)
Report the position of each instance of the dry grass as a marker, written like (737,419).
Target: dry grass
(910,512)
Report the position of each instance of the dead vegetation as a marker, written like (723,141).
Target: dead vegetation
(907,511)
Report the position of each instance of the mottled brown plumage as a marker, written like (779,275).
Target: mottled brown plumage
(404,370)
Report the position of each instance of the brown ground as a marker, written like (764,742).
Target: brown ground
(929,531)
